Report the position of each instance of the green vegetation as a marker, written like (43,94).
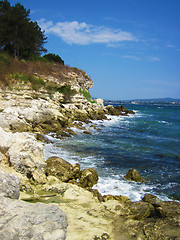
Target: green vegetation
(19,36)
(87,95)
(53,58)
(36,82)
(65,90)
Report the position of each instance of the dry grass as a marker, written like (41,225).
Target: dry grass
(10,66)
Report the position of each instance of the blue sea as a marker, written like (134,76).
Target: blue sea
(148,141)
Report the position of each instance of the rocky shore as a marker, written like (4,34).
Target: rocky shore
(53,199)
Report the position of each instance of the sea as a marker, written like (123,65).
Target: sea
(148,141)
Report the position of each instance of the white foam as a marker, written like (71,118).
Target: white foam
(115,186)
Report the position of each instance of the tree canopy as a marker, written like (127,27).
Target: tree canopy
(19,36)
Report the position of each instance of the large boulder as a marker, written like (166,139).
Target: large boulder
(22,220)
(62,169)
(133,175)
(26,156)
(24,153)
(88,178)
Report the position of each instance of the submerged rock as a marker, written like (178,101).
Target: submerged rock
(133,175)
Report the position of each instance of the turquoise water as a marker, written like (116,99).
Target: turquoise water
(148,141)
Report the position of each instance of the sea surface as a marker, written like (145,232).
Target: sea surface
(148,141)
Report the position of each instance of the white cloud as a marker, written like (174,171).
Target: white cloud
(84,34)
(170,46)
(153,59)
(137,58)
(131,57)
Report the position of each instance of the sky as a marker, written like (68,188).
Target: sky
(129,48)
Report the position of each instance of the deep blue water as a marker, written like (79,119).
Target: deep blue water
(148,141)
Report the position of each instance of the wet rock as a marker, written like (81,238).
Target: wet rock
(87,132)
(133,175)
(88,178)
(62,169)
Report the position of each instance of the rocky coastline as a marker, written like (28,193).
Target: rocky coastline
(53,199)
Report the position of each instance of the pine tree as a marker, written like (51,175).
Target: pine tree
(19,36)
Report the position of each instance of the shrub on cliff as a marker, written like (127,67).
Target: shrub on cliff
(53,58)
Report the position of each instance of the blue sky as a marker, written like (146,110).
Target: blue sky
(130,48)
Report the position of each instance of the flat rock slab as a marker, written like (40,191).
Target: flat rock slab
(37,221)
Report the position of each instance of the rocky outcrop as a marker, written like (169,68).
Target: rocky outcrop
(133,175)
(61,169)
(88,178)
(24,154)
(67,172)
(118,110)
(21,220)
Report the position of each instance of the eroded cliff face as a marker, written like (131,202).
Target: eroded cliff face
(65,88)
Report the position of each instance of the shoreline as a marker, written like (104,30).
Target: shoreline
(62,191)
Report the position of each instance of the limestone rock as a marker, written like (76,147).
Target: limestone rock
(88,178)
(26,156)
(100,102)
(9,185)
(21,220)
(62,169)
(5,140)
(133,175)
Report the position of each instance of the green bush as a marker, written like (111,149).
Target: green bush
(53,58)
(87,95)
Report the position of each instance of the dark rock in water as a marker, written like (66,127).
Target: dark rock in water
(87,132)
(62,169)
(88,178)
(118,110)
(168,209)
(133,175)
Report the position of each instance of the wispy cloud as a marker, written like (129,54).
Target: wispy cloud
(131,57)
(170,46)
(153,59)
(137,58)
(84,34)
